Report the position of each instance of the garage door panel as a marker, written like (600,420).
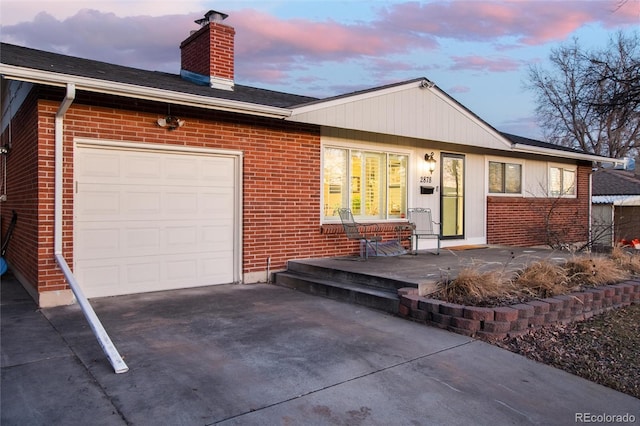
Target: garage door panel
(217,171)
(102,277)
(217,203)
(180,203)
(144,274)
(140,202)
(100,242)
(185,237)
(96,203)
(102,166)
(213,235)
(140,167)
(147,240)
(166,221)
(213,269)
(181,269)
(183,169)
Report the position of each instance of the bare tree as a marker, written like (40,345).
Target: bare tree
(590,100)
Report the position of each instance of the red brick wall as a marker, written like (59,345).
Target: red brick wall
(281,176)
(532,221)
(22,191)
(210,51)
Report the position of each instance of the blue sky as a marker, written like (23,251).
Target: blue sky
(478,51)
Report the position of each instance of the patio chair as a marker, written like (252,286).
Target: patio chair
(423,227)
(366,233)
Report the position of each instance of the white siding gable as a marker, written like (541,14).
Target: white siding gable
(412,110)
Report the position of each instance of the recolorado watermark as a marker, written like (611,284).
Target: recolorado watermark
(604,418)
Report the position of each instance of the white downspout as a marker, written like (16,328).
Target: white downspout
(98,330)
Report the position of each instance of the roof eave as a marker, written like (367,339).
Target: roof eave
(529,149)
(30,75)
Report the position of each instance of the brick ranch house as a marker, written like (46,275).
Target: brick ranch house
(142,181)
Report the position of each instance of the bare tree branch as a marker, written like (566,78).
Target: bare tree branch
(591,99)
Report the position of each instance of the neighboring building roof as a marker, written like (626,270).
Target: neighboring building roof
(615,182)
(57,63)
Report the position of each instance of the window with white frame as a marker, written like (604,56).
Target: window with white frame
(505,178)
(372,184)
(562,181)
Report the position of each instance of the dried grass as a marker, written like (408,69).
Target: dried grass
(473,285)
(594,271)
(627,261)
(543,279)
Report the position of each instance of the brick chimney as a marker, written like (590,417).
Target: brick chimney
(207,55)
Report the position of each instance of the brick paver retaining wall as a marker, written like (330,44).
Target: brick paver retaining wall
(500,322)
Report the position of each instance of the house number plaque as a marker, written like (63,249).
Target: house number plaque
(425,179)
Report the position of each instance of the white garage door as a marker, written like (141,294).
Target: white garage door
(153,220)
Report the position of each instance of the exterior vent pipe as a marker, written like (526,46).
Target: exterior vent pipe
(109,349)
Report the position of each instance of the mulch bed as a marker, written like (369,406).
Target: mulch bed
(604,349)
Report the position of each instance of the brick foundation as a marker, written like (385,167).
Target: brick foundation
(500,322)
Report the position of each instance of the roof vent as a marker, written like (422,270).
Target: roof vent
(211,16)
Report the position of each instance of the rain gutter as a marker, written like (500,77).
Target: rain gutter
(566,154)
(98,330)
(49,78)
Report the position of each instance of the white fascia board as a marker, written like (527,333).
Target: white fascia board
(12,72)
(564,154)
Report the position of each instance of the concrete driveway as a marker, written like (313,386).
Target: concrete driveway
(265,355)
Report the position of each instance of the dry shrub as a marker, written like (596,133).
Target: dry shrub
(473,285)
(629,262)
(543,279)
(594,271)
(540,279)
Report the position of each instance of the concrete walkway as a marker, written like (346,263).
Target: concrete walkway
(265,355)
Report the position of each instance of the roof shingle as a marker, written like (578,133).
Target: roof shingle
(54,62)
(615,182)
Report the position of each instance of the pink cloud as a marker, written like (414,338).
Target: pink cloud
(480,63)
(270,49)
(263,34)
(530,22)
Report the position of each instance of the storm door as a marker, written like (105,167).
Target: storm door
(452,196)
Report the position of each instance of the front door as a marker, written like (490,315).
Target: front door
(452,196)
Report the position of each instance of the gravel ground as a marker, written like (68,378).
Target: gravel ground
(604,349)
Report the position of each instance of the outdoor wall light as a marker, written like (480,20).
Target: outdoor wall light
(170,122)
(426,84)
(431,162)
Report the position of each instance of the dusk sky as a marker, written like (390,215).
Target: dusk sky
(477,51)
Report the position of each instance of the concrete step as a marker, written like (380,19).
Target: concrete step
(342,276)
(373,297)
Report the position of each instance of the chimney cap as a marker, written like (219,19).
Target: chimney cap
(211,16)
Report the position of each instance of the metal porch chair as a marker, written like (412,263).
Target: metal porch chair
(423,227)
(368,237)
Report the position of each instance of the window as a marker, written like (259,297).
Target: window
(372,184)
(505,178)
(562,182)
